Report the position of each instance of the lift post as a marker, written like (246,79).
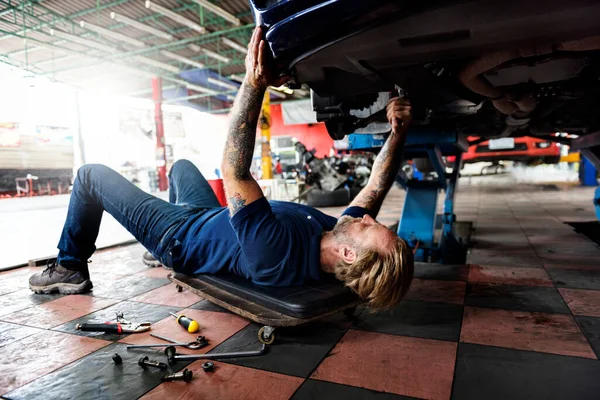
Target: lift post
(419,219)
(161,157)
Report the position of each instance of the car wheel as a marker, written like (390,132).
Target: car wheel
(338,128)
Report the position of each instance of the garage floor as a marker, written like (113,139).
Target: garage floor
(521,321)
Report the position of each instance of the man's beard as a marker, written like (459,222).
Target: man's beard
(341,230)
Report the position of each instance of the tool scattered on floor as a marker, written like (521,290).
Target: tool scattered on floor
(197,344)
(185,375)
(172,355)
(117,359)
(188,323)
(144,362)
(121,326)
(208,366)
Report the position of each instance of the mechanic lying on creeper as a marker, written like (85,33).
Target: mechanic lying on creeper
(271,243)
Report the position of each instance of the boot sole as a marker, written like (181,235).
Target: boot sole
(64,288)
(152,264)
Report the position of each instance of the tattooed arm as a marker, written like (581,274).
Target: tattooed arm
(240,186)
(388,161)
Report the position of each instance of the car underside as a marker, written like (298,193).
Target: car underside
(482,68)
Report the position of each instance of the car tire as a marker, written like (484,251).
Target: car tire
(328,198)
(354,192)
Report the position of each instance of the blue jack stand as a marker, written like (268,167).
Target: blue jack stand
(587,173)
(418,222)
(589,146)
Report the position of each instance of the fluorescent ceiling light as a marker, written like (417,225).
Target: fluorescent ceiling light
(234,45)
(174,16)
(216,55)
(158,64)
(112,34)
(182,59)
(209,53)
(223,83)
(85,42)
(139,26)
(239,78)
(219,11)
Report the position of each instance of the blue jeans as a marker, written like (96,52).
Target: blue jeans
(152,221)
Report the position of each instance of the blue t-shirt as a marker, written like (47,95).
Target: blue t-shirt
(270,243)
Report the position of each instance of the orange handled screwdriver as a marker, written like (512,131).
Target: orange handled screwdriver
(188,323)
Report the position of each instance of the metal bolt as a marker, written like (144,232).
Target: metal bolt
(208,366)
(144,362)
(185,375)
(117,359)
(170,352)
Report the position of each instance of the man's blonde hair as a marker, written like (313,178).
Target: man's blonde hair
(379,278)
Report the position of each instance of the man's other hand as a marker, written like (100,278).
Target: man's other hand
(399,114)
(260,69)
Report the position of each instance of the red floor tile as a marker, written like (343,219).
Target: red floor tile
(39,354)
(396,364)
(228,382)
(547,333)
(56,312)
(437,291)
(509,275)
(215,326)
(582,302)
(168,296)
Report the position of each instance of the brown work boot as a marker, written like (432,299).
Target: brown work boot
(56,278)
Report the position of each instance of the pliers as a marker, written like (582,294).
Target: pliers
(121,326)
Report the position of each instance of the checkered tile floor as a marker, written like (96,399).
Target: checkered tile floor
(522,320)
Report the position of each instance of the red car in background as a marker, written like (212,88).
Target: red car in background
(524,149)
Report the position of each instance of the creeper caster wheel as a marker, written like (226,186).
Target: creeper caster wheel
(266,335)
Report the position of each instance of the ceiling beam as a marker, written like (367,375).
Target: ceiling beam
(69,16)
(182,42)
(171,46)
